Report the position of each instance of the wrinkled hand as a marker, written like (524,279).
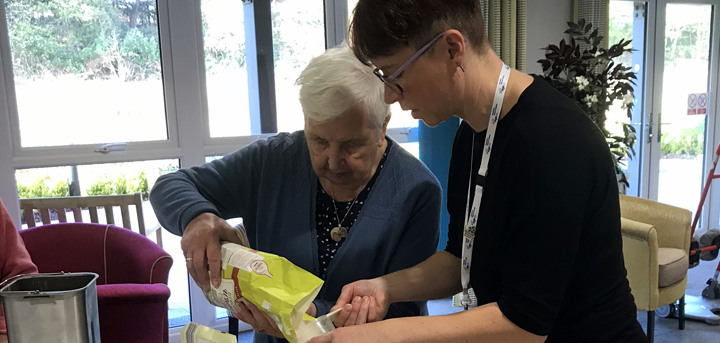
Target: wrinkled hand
(369,300)
(201,246)
(259,320)
(353,334)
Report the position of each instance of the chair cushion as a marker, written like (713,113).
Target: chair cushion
(673,266)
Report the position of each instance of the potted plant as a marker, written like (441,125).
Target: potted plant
(586,72)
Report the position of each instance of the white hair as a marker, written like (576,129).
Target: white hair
(335,82)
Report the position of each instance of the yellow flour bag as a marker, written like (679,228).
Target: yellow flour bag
(272,283)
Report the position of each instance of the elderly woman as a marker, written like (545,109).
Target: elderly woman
(14,259)
(339,199)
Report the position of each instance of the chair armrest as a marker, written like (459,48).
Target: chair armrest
(672,223)
(640,251)
(637,230)
(133,293)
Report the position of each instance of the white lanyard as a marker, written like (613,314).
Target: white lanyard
(472,214)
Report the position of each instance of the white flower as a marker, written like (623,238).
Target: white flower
(582,82)
(591,99)
(627,101)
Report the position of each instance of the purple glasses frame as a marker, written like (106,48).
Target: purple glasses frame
(390,80)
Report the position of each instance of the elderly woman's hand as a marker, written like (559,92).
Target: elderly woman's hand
(259,320)
(201,246)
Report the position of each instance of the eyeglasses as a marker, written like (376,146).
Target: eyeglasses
(390,80)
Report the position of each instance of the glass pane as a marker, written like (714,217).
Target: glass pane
(86,71)
(401,118)
(687,53)
(298,36)
(225,71)
(628,23)
(115,178)
(413,148)
(179,302)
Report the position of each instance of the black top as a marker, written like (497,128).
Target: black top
(548,247)
(347,213)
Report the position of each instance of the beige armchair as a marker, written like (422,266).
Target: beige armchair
(656,241)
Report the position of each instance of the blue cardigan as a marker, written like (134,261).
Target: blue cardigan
(272,186)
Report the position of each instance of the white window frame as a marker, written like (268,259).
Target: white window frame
(85,152)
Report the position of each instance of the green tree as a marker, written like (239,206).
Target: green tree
(38,189)
(689,143)
(121,186)
(687,42)
(101,187)
(61,189)
(82,37)
(141,184)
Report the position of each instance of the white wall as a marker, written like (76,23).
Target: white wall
(547,20)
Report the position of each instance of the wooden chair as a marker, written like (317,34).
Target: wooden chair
(43,206)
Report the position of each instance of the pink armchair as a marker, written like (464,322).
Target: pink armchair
(132,287)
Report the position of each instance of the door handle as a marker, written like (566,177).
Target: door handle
(649,128)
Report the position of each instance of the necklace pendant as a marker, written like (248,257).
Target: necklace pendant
(338,233)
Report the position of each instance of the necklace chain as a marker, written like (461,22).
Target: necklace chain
(346,213)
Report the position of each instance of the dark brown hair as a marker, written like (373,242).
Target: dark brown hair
(382,27)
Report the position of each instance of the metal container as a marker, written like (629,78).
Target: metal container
(52,308)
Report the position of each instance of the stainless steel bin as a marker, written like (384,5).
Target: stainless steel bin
(58,307)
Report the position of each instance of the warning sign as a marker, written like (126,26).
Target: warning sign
(697,103)
(702,103)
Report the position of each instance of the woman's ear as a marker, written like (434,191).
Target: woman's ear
(455,44)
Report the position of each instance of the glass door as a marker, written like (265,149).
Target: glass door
(629,20)
(681,124)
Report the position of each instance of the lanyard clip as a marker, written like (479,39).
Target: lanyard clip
(465,302)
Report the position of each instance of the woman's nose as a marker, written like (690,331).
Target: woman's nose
(335,160)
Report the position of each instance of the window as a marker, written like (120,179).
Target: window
(225,67)
(86,71)
(298,36)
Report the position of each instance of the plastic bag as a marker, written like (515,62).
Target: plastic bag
(272,283)
(196,333)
